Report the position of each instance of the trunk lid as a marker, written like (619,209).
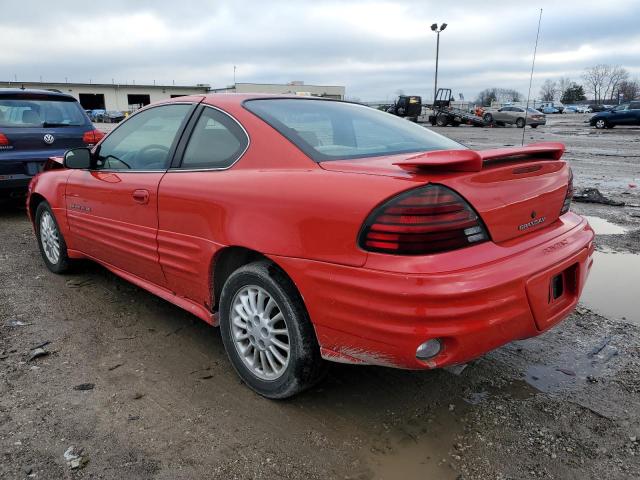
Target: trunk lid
(514,190)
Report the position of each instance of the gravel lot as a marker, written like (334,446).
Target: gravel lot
(146,392)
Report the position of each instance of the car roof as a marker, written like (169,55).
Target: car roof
(21,91)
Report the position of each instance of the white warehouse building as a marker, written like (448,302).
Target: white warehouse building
(113,96)
(130,97)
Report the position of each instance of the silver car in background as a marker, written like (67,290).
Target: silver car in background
(514,115)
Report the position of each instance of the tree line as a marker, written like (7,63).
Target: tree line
(602,82)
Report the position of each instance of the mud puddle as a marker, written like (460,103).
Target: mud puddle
(612,287)
(605,227)
(419,449)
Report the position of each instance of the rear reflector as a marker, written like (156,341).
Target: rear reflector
(425,220)
(569,196)
(92,137)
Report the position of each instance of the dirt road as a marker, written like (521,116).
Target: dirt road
(146,390)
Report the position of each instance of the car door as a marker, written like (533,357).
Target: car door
(192,203)
(620,115)
(502,115)
(634,108)
(112,209)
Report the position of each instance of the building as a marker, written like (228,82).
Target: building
(295,88)
(114,96)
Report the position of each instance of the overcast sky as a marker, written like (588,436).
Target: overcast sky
(373,48)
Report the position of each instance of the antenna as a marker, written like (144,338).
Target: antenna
(533,64)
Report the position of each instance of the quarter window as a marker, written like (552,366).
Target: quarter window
(217,141)
(145,141)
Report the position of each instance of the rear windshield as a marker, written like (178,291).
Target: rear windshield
(40,112)
(331,130)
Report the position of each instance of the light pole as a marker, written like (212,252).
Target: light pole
(435,28)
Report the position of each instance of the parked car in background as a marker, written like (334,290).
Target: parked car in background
(513,115)
(584,109)
(112,116)
(598,107)
(570,109)
(96,114)
(425,253)
(550,110)
(556,106)
(625,114)
(36,125)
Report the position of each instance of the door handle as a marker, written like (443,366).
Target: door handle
(141,196)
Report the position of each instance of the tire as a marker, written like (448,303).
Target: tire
(534,126)
(488,118)
(520,123)
(51,243)
(442,120)
(247,326)
(601,123)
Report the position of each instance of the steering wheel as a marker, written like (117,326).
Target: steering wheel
(154,146)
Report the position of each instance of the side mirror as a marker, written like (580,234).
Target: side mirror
(79,158)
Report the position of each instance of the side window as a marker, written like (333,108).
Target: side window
(635,106)
(217,141)
(144,141)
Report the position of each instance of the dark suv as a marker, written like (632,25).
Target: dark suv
(36,125)
(625,114)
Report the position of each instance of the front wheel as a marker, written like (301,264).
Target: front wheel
(267,333)
(601,123)
(50,241)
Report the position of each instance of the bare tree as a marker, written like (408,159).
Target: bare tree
(629,89)
(502,95)
(563,84)
(617,74)
(595,79)
(548,91)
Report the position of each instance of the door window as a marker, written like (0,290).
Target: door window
(145,141)
(217,141)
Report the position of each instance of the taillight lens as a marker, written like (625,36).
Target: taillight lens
(92,137)
(422,221)
(567,199)
(4,141)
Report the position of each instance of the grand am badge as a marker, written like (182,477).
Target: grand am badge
(532,223)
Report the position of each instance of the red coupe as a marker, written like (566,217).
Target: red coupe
(313,229)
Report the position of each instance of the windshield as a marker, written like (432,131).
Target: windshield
(332,130)
(26,112)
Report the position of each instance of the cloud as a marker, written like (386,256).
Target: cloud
(374,48)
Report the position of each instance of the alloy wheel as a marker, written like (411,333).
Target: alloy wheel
(50,238)
(259,332)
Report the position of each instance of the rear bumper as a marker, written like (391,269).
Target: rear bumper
(12,185)
(372,316)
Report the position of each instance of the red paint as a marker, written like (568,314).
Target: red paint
(163,231)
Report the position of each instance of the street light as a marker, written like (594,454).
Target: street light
(434,28)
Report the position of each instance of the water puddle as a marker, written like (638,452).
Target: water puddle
(605,227)
(574,368)
(612,286)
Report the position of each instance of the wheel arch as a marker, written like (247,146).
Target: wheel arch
(35,199)
(228,259)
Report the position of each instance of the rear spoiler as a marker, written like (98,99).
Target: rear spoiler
(473,161)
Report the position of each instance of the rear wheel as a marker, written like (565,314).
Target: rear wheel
(267,333)
(442,120)
(534,126)
(488,118)
(50,241)
(520,123)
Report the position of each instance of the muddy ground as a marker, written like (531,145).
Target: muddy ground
(165,403)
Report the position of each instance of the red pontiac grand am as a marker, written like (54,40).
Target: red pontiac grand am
(314,230)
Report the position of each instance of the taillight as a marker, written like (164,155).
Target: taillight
(92,137)
(567,198)
(424,220)
(4,141)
